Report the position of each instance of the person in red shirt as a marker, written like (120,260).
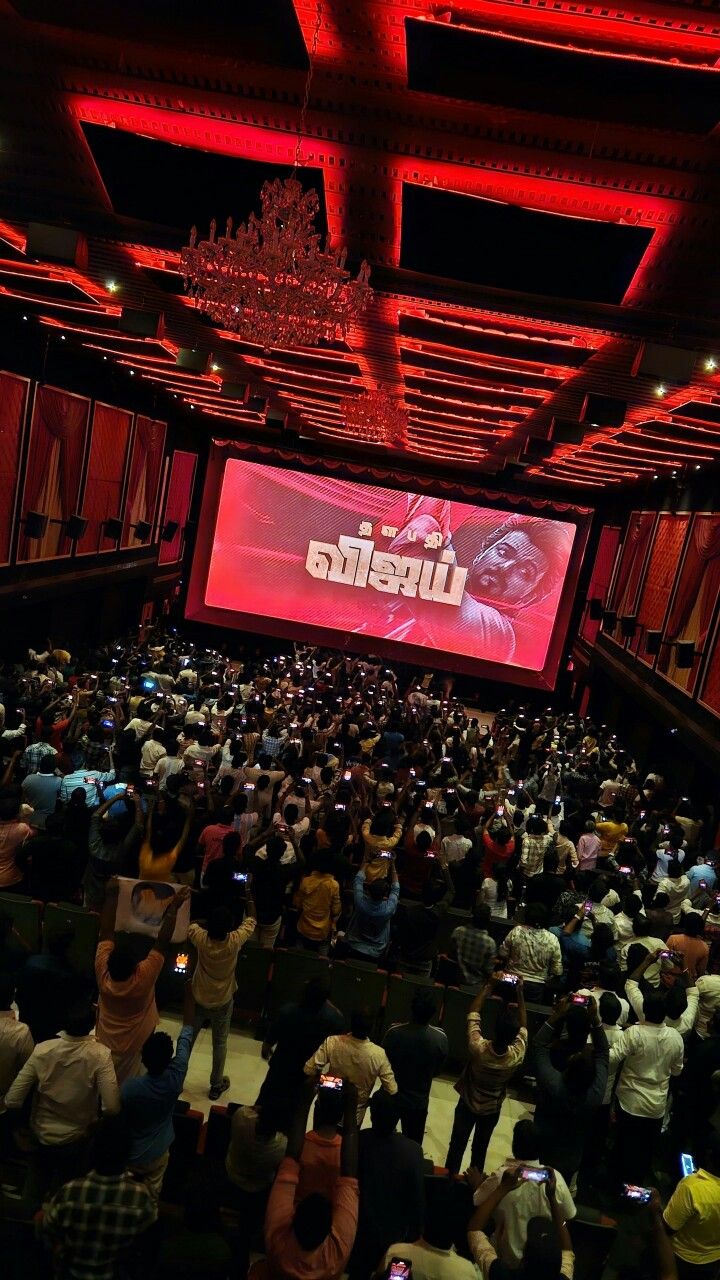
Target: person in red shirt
(415,862)
(498,843)
(320,1157)
(210,842)
(311,1238)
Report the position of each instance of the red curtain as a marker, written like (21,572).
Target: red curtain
(106,466)
(600,579)
(177,504)
(660,577)
(701,568)
(635,544)
(57,415)
(147,456)
(13,398)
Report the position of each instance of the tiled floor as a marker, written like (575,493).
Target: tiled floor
(246,1070)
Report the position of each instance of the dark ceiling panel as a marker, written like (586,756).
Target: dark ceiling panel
(266,32)
(502,246)
(173,186)
(470,338)
(480,67)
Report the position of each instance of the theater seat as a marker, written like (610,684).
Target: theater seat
(354,986)
(25,914)
(252,973)
(454,1022)
(290,972)
(217,1133)
(400,991)
(85,926)
(184,1152)
(450,920)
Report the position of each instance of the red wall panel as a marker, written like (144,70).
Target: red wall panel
(694,600)
(54,468)
(143,490)
(657,588)
(109,439)
(608,544)
(177,503)
(13,399)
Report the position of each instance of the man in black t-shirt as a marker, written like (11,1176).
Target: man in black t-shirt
(293,1036)
(417,1052)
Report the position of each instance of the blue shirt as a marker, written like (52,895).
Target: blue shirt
(701,871)
(41,791)
(369,929)
(148,1103)
(72,781)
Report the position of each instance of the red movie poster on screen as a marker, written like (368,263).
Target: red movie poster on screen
(373,564)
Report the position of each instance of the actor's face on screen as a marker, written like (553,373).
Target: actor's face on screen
(148,902)
(510,570)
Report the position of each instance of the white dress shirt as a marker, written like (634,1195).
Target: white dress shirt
(708,989)
(649,1055)
(527,1201)
(16,1045)
(684,1024)
(71,1074)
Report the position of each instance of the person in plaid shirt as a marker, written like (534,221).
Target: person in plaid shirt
(33,754)
(91,1220)
(474,948)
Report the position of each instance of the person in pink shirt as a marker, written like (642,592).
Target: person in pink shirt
(588,848)
(210,841)
(13,834)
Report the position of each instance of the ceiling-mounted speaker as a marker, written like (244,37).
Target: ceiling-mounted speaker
(143,324)
(258,404)
(667,364)
(75,526)
(36,523)
(603,411)
(653,641)
(609,619)
(628,625)
(57,244)
(196,361)
(595,608)
(143,529)
(535,448)
(512,469)
(566,431)
(235,390)
(169,530)
(112,528)
(276,419)
(685,655)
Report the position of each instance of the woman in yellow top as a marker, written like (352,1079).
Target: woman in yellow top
(160,866)
(381,833)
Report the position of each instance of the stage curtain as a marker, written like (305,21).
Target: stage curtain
(109,438)
(57,442)
(177,503)
(13,398)
(145,466)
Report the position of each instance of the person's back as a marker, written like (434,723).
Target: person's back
(390,1177)
(318,900)
(567,1098)
(47,985)
(433,1256)
(149,1101)
(356,1058)
(692,1213)
(320,1157)
(474,948)
(16,1042)
(294,1034)
(416,1052)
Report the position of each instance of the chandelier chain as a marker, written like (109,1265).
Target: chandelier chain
(308,84)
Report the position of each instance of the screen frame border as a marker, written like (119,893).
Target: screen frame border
(196,610)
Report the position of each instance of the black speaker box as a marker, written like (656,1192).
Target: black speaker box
(57,244)
(667,364)
(197,361)
(609,619)
(595,608)
(144,324)
(628,625)
(36,524)
(685,655)
(113,528)
(75,526)
(566,431)
(653,640)
(235,390)
(169,530)
(603,411)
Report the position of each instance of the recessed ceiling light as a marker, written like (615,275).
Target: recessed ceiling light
(710,364)
(112,286)
(62,337)
(697,466)
(132,373)
(660,390)
(215,368)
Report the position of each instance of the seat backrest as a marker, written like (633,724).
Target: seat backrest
(25,914)
(449,921)
(252,973)
(454,1022)
(85,927)
(291,971)
(353,986)
(400,992)
(217,1133)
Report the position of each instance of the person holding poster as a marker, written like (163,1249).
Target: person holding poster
(127,1012)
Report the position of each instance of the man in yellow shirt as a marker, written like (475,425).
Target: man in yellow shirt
(611,831)
(318,901)
(692,1216)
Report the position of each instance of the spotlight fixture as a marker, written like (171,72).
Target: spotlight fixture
(595,608)
(653,640)
(628,626)
(609,619)
(660,390)
(685,654)
(710,364)
(112,286)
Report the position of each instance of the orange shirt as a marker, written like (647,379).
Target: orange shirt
(127,1013)
(319,1165)
(695,951)
(285,1257)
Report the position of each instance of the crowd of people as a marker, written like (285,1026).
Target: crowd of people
(328,803)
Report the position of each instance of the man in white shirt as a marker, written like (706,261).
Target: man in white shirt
(527,1201)
(355,1057)
(16,1042)
(681,1000)
(69,1077)
(152,751)
(708,989)
(649,1053)
(433,1256)
(653,945)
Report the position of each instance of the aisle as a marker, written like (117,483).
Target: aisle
(246,1070)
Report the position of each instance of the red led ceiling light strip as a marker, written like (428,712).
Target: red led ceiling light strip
(12,235)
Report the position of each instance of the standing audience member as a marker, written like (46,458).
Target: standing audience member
(214,983)
(354,1058)
(416,1052)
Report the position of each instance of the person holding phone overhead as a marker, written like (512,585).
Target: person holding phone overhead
(214,983)
(547,1251)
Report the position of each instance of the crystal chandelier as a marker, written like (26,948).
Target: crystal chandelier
(376,418)
(271,282)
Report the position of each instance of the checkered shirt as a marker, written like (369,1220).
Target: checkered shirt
(94,1218)
(475,952)
(32,755)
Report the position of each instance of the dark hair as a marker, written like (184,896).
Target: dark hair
(80,1019)
(111,1148)
(377,889)
(219,924)
(674,868)
(506,1029)
(536,915)
(157,1053)
(525,1141)
(440,1211)
(329,1107)
(384,1112)
(58,944)
(423,1007)
(481,915)
(361,1022)
(654,1007)
(542,1255)
(316,992)
(675,1001)
(692,924)
(121,964)
(535,825)
(661,900)
(312,1222)
(609,1008)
